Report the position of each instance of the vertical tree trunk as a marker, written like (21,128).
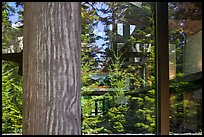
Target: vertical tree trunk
(51,69)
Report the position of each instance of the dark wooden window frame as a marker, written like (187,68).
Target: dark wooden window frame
(162,68)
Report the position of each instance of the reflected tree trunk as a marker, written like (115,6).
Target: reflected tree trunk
(51,68)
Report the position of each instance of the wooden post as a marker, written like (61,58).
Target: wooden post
(51,69)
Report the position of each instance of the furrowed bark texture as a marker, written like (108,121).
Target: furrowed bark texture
(51,69)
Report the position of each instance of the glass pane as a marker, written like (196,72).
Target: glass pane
(118,95)
(185,67)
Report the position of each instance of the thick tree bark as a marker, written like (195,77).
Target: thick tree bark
(51,69)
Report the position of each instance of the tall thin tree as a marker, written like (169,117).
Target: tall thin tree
(51,68)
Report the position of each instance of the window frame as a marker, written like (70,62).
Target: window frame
(162,67)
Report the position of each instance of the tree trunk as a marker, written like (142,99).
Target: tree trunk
(51,69)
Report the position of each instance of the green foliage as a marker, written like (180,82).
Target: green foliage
(11,99)
(10,37)
(87,104)
(120,118)
(6,12)
(116,118)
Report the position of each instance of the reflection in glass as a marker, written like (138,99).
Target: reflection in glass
(185,66)
(117,68)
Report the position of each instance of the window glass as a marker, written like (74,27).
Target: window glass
(118,94)
(185,66)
